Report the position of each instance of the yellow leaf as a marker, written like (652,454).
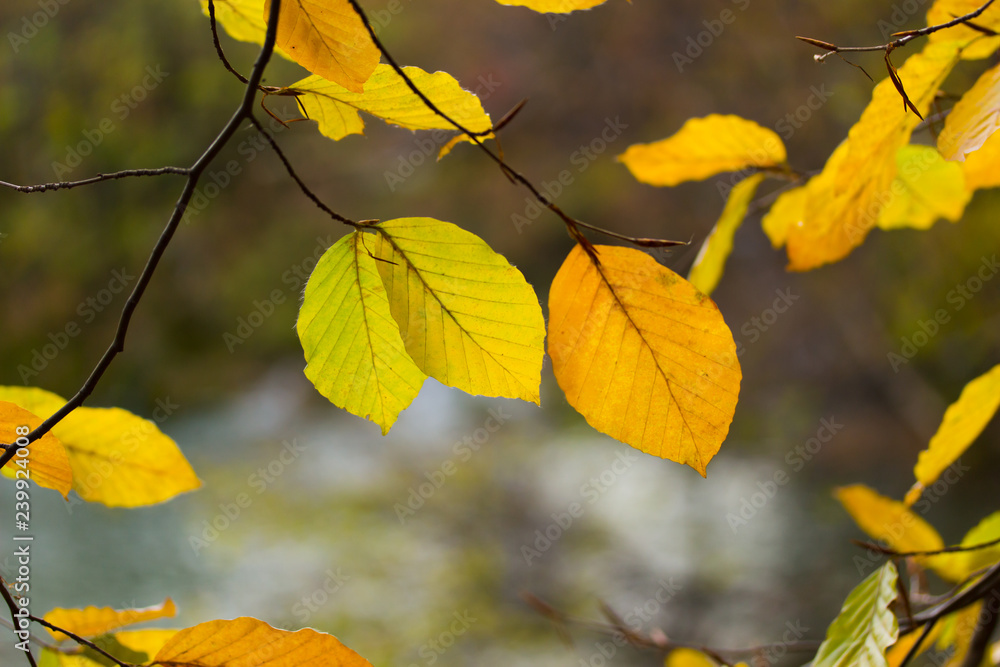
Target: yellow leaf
(962,564)
(643,355)
(976,44)
(888,520)
(117,458)
(845,200)
(387,96)
(686,657)
(786,212)
(47,461)
(711,260)
(468,318)
(973,119)
(704,147)
(926,188)
(982,168)
(329,39)
(963,421)
(247,642)
(145,641)
(897,652)
(553,6)
(353,349)
(94,621)
(956,632)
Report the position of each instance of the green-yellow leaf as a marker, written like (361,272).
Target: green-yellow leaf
(117,458)
(963,421)
(247,642)
(786,212)
(553,6)
(975,44)
(468,318)
(888,520)
(644,356)
(47,461)
(704,147)
(354,353)
(926,188)
(145,641)
(963,563)
(844,201)
(93,621)
(711,260)
(387,96)
(328,38)
(973,119)
(865,627)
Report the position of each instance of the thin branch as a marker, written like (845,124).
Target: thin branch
(905,554)
(915,649)
(193,176)
(985,626)
(295,177)
(961,600)
(218,44)
(13,615)
(80,640)
(572,224)
(69,185)
(902,38)
(35,638)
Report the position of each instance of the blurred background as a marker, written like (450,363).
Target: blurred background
(416,548)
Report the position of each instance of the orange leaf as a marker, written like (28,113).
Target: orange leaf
(643,355)
(48,463)
(248,642)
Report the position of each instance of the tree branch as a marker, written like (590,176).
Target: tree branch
(80,640)
(68,185)
(194,174)
(8,598)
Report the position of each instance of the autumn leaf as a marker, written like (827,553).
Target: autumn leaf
(926,188)
(354,353)
(973,119)
(711,260)
(962,564)
(899,651)
(786,212)
(553,6)
(686,657)
(956,633)
(844,201)
(704,147)
(644,356)
(47,462)
(93,621)
(865,627)
(888,520)
(468,318)
(248,642)
(386,96)
(975,44)
(963,421)
(329,39)
(117,458)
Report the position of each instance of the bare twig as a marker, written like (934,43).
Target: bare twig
(218,44)
(69,185)
(985,626)
(80,640)
(905,554)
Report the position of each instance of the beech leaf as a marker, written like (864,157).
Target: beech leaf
(554,6)
(93,621)
(975,44)
(704,147)
(47,462)
(354,353)
(926,188)
(644,356)
(973,119)
(248,642)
